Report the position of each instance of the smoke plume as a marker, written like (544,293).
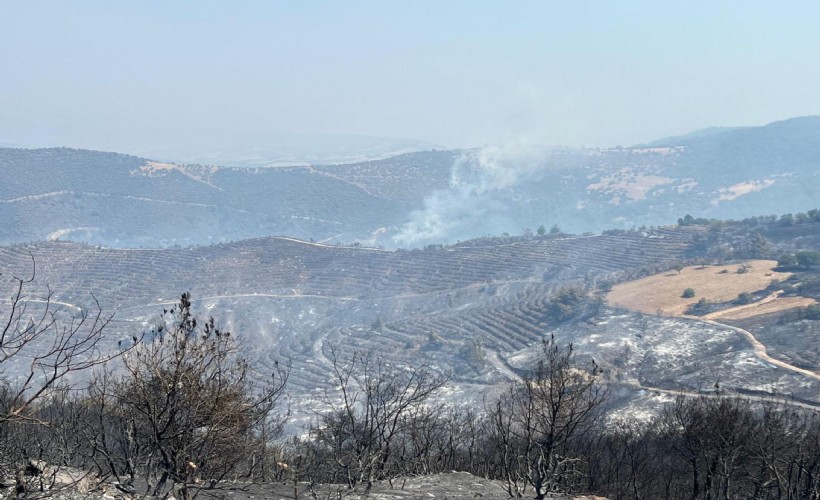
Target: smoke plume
(480,199)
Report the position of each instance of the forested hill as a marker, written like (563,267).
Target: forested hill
(414,199)
(120,200)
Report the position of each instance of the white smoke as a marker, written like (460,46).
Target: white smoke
(480,199)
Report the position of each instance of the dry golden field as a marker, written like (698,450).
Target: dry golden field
(661,293)
(771,304)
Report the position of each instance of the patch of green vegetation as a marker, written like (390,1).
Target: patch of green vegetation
(806,259)
(699,308)
(472,351)
(811,312)
(688,220)
(567,303)
(744,298)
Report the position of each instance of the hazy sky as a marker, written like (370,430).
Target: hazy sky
(144,74)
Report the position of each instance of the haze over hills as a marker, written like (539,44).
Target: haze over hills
(409,249)
(413,199)
(475,312)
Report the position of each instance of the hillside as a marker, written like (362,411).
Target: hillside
(476,310)
(474,315)
(410,200)
(119,200)
(661,293)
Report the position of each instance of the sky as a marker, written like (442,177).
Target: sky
(133,76)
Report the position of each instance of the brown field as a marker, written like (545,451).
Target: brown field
(661,293)
(777,304)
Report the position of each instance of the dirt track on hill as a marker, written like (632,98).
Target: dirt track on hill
(760,350)
(768,305)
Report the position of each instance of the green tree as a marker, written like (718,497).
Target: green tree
(688,220)
(688,293)
(565,303)
(757,247)
(807,259)
(744,298)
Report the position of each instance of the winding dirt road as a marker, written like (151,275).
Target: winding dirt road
(760,350)
(754,397)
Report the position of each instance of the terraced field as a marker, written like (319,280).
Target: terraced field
(476,310)
(282,266)
(463,308)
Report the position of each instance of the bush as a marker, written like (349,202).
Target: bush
(743,298)
(811,312)
(807,259)
(787,260)
(688,293)
(565,304)
(700,308)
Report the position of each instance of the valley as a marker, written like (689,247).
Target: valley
(392,283)
(369,250)
(451,271)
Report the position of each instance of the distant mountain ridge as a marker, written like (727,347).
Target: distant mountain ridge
(289,150)
(793,127)
(677,140)
(412,199)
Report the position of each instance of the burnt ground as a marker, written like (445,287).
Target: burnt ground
(444,486)
(452,485)
(795,342)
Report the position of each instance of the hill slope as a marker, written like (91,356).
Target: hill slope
(414,199)
(477,309)
(120,200)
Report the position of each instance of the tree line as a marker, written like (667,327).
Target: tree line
(179,411)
